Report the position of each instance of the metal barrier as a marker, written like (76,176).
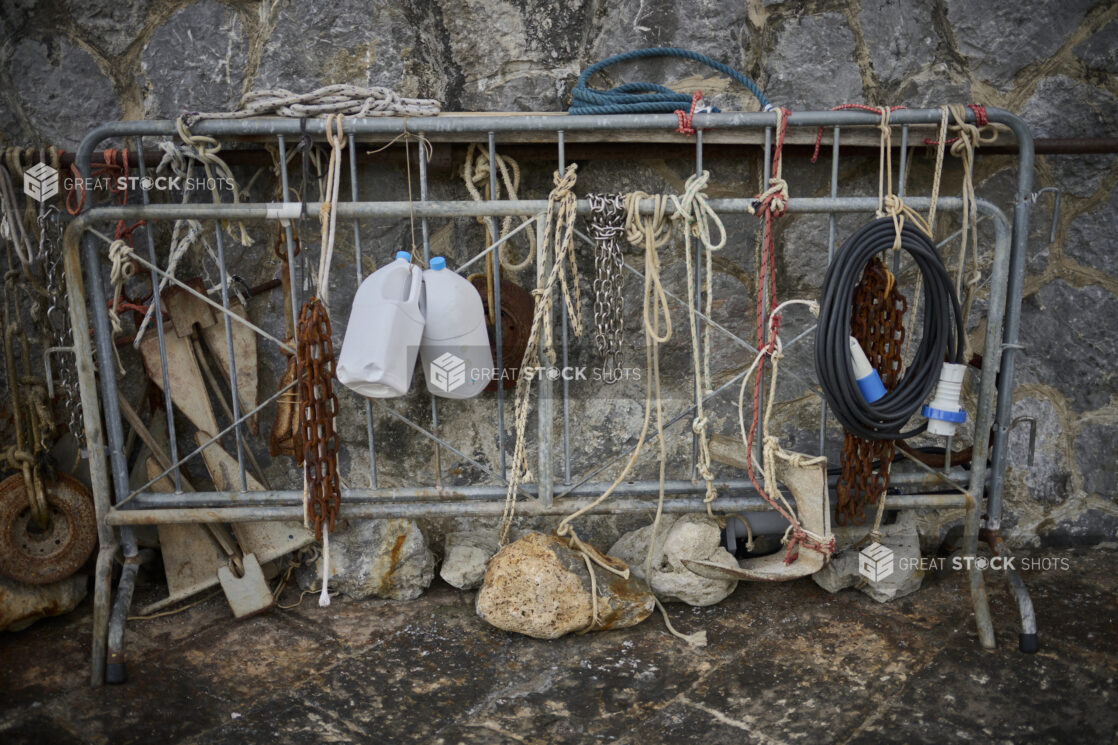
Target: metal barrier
(119,508)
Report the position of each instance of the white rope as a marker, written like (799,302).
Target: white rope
(693,213)
(350,100)
(559,235)
(475,174)
(328,213)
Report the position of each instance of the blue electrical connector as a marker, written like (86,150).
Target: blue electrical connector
(869,382)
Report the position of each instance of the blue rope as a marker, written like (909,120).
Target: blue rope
(647,98)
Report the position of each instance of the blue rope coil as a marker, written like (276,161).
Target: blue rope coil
(647,98)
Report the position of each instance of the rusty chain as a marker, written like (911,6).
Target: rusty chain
(318,407)
(877,322)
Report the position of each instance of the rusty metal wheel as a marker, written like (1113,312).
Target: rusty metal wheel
(39,557)
(517,310)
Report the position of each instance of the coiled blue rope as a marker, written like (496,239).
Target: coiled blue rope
(647,98)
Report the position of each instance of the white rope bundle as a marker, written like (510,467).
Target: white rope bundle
(343,98)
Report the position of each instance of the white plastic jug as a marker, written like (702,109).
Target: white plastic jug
(457,361)
(384,331)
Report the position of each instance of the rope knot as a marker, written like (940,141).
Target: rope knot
(699,425)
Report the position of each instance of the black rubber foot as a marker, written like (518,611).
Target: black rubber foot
(1029,643)
(114,673)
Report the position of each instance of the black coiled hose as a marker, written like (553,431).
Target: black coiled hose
(942,338)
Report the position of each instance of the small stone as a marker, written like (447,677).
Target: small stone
(22,605)
(539,587)
(375,558)
(465,555)
(696,537)
(1099,51)
(1096,451)
(903,540)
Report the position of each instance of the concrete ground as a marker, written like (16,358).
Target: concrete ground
(786,663)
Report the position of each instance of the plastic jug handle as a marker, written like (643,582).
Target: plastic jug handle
(416,285)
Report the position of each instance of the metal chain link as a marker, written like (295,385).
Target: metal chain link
(607,223)
(318,407)
(877,322)
(58,319)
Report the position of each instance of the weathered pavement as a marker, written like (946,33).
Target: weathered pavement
(786,663)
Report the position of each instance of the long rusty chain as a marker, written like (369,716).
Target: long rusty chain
(318,407)
(877,322)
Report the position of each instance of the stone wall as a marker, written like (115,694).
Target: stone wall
(70,65)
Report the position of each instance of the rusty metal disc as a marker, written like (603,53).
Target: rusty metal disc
(40,557)
(517,309)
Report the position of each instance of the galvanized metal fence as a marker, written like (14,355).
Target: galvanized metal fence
(119,508)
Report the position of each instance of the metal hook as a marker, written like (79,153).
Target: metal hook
(1032,434)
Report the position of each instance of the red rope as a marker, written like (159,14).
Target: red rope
(111,169)
(843,107)
(770,207)
(980,120)
(685,117)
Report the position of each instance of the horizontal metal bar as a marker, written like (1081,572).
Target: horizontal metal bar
(674,487)
(478,508)
(462,208)
(481,124)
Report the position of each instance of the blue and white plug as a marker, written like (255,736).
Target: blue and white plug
(945,412)
(869,382)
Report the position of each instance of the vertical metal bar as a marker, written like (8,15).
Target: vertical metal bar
(763,288)
(289,236)
(698,307)
(496,264)
(830,257)
(360,276)
(172,439)
(425,231)
(546,413)
(236,402)
(900,188)
(562,145)
(984,419)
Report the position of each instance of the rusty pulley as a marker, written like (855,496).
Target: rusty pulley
(38,557)
(517,308)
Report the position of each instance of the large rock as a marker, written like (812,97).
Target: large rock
(813,64)
(539,587)
(375,558)
(185,71)
(1002,38)
(695,537)
(898,35)
(51,79)
(1090,238)
(22,605)
(1068,344)
(903,540)
(465,555)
